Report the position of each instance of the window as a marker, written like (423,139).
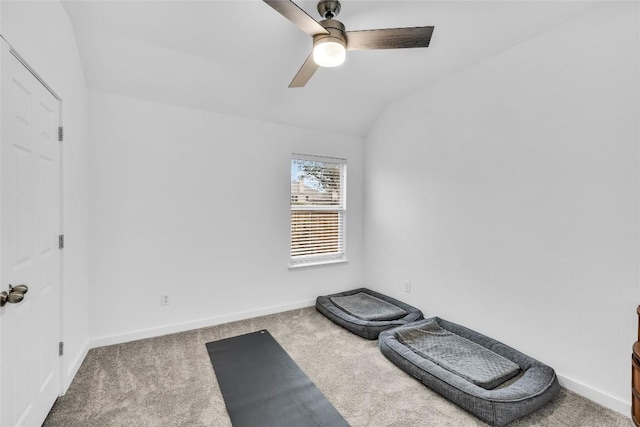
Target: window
(318,209)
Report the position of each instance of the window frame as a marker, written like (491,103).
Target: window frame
(340,256)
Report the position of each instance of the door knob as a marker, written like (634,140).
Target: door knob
(21,289)
(14,296)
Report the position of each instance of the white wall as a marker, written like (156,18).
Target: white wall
(196,204)
(508,195)
(42,34)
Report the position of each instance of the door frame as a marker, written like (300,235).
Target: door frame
(20,58)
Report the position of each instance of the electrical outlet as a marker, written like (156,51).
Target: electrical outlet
(407,286)
(164,299)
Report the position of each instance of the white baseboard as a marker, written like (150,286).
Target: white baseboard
(196,324)
(602,398)
(621,406)
(72,369)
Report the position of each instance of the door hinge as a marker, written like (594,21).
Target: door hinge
(60,133)
(61,241)
(60,348)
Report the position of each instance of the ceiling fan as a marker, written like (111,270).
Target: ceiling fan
(331,41)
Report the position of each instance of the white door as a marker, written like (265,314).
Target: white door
(30,222)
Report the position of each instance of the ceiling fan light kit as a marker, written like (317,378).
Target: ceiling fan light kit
(330,50)
(327,53)
(331,41)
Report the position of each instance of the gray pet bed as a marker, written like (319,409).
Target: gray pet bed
(487,378)
(365,312)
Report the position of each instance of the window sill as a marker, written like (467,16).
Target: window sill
(317,263)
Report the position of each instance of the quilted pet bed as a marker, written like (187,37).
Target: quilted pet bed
(365,312)
(487,378)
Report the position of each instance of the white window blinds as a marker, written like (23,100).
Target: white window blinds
(318,209)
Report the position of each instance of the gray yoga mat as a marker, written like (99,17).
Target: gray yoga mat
(262,386)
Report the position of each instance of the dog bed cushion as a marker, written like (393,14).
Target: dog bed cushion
(458,355)
(534,386)
(367,307)
(365,312)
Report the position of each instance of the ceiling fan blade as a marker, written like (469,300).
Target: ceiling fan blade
(305,72)
(293,13)
(389,38)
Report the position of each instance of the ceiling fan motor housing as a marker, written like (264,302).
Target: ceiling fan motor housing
(336,33)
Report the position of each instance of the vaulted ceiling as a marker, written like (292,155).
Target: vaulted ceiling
(238,57)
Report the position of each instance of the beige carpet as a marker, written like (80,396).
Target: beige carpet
(169,381)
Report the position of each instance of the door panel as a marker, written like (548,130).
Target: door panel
(23,208)
(30,222)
